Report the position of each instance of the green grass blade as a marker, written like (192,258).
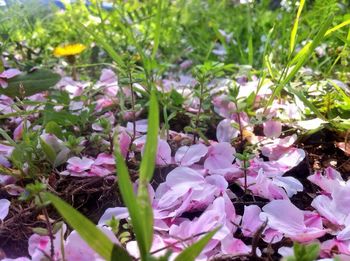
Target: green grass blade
(294,31)
(158,28)
(328,33)
(306,102)
(106,46)
(130,200)
(337,27)
(148,159)
(147,169)
(302,60)
(88,231)
(190,253)
(139,207)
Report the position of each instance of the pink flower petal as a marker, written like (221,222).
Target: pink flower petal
(251,220)
(272,129)
(104,159)
(10,73)
(163,156)
(76,164)
(225,132)
(220,156)
(4,208)
(186,156)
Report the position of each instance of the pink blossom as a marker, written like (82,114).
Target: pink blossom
(8,74)
(39,245)
(186,190)
(234,246)
(103,103)
(117,212)
(272,129)
(18,132)
(327,180)
(141,126)
(186,156)
(4,208)
(225,132)
(223,106)
(328,247)
(158,243)
(75,248)
(220,213)
(124,143)
(104,159)
(250,220)
(6,104)
(163,156)
(335,208)
(78,166)
(276,148)
(283,216)
(220,156)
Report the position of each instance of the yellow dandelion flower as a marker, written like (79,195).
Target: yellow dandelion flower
(69,50)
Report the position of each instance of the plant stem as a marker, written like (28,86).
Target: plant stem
(49,228)
(201,85)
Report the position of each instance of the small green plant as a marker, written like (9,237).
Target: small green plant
(304,252)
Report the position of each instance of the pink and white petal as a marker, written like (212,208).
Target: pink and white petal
(104,159)
(3,83)
(251,220)
(184,178)
(272,129)
(328,181)
(163,156)
(225,132)
(220,156)
(272,236)
(76,164)
(99,171)
(291,185)
(234,246)
(286,251)
(283,216)
(186,156)
(141,126)
(4,208)
(10,73)
(124,143)
(217,181)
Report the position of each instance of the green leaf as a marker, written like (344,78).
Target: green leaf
(306,102)
(130,200)
(195,249)
(312,251)
(53,128)
(158,28)
(30,83)
(105,45)
(302,60)
(48,150)
(176,97)
(293,34)
(306,48)
(88,231)
(305,252)
(139,207)
(149,157)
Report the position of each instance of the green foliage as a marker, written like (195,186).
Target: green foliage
(30,83)
(305,252)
